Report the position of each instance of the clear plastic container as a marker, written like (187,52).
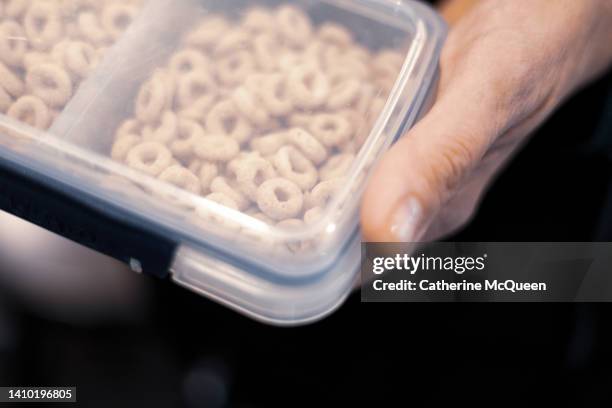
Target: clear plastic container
(247,256)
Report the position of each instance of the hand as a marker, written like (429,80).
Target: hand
(505,67)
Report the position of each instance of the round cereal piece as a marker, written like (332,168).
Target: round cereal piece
(188,134)
(154,97)
(279,199)
(31,110)
(225,119)
(91,28)
(308,86)
(294,26)
(251,173)
(13,44)
(165,131)
(269,144)
(248,103)
(10,82)
(42,24)
(149,157)
(182,178)
(207,33)
(5,100)
(275,95)
(217,148)
(307,144)
(266,51)
(335,34)
(128,127)
(337,166)
(51,83)
(187,61)
(80,58)
(343,94)
(116,18)
(223,186)
(323,193)
(196,88)
(313,215)
(258,20)
(15,8)
(207,173)
(293,165)
(123,145)
(331,129)
(234,68)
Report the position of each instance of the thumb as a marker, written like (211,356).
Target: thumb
(423,169)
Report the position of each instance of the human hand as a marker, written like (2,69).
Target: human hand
(505,68)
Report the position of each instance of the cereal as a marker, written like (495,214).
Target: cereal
(269,144)
(166,130)
(234,68)
(293,165)
(267,112)
(80,57)
(188,134)
(116,17)
(331,129)
(280,199)
(217,148)
(31,110)
(251,173)
(225,119)
(275,95)
(321,195)
(294,25)
(42,24)
(149,157)
(187,61)
(308,145)
(222,185)
(51,83)
(207,173)
(12,44)
(123,145)
(182,178)
(153,97)
(249,105)
(308,86)
(10,82)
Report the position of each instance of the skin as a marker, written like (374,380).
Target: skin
(506,66)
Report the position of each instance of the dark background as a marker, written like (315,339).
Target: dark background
(188,351)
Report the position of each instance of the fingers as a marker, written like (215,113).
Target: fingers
(420,172)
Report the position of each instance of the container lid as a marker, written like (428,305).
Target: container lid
(239,134)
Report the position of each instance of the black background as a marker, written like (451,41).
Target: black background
(192,352)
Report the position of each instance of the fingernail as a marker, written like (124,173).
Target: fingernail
(408,221)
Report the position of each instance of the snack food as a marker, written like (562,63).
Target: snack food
(47,47)
(269,111)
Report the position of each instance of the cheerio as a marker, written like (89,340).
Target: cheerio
(224,145)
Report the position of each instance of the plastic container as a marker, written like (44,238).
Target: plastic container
(64,179)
